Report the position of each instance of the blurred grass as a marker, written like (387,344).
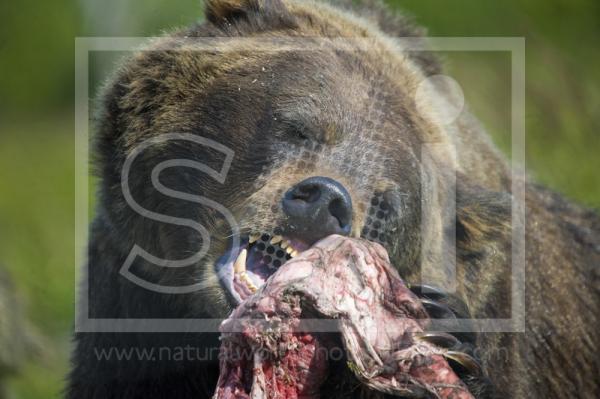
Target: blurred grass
(36,128)
(36,238)
(36,213)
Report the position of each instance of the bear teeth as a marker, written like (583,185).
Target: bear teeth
(240,263)
(239,267)
(288,247)
(244,277)
(273,240)
(254,237)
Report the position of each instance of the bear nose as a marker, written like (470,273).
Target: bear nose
(317,207)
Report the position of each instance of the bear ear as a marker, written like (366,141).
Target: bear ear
(217,11)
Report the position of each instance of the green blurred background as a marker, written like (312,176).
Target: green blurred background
(37,123)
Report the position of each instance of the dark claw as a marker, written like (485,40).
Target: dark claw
(428,291)
(437,310)
(441,305)
(460,328)
(467,348)
(442,339)
(467,337)
(455,317)
(466,361)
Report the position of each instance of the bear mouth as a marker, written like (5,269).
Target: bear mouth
(245,268)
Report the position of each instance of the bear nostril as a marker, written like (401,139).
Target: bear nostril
(340,211)
(317,207)
(306,193)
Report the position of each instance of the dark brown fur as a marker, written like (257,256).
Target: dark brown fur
(265,106)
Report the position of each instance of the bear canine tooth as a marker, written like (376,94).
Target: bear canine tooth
(240,263)
(276,239)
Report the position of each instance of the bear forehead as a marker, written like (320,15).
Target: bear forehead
(327,93)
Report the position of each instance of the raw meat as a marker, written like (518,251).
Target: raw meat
(270,349)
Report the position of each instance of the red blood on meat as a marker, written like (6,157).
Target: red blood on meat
(351,281)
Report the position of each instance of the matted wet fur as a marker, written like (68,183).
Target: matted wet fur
(349,115)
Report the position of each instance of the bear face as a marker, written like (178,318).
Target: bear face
(291,107)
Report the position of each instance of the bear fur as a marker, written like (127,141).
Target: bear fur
(345,113)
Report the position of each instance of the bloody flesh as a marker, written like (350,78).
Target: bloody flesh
(267,351)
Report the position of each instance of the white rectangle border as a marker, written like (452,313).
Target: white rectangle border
(85,45)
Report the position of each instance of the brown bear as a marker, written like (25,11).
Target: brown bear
(312,107)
